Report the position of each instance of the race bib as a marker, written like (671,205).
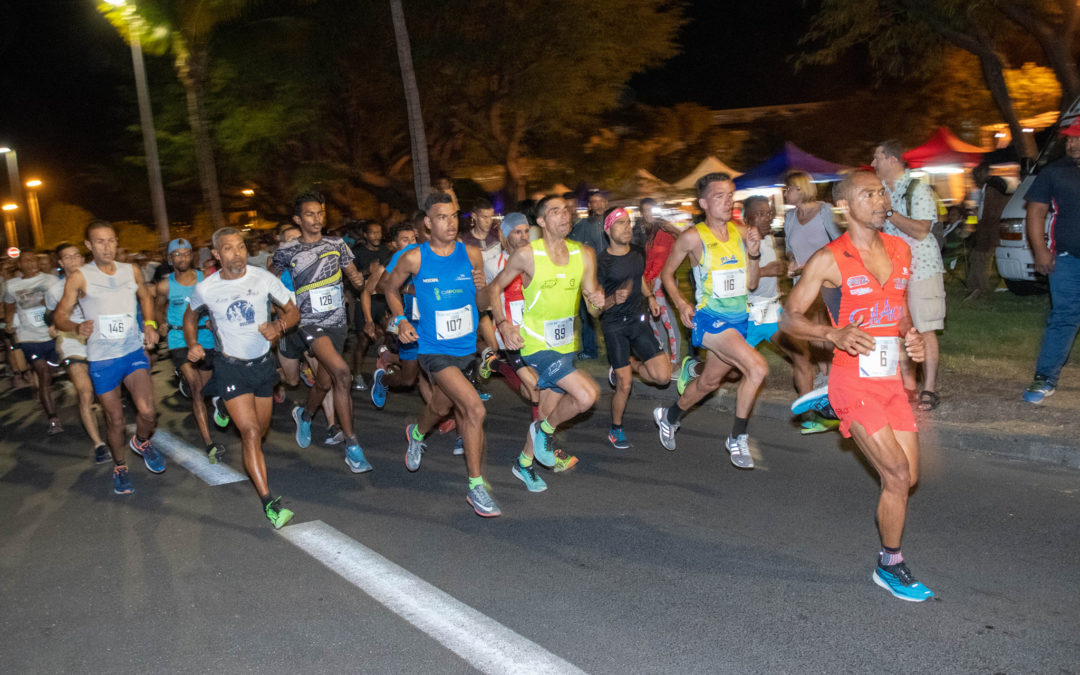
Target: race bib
(36,316)
(729,283)
(415,310)
(765,312)
(325,299)
(559,332)
(453,323)
(114,326)
(883,360)
(517,312)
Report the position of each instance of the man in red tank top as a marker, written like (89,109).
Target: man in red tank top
(863,277)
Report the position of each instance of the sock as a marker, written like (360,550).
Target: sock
(616,427)
(891,556)
(306,416)
(475,482)
(524,461)
(266,499)
(546,428)
(674,413)
(739,427)
(139,440)
(415,433)
(122,463)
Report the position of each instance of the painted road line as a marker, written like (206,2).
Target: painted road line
(195,461)
(486,644)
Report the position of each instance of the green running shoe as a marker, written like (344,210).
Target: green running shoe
(278,514)
(686,373)
(221,416)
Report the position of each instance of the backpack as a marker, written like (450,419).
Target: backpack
(937,228)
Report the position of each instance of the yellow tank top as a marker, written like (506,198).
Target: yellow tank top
(720,277)
(551,301)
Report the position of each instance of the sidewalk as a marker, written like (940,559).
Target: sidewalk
(979,414)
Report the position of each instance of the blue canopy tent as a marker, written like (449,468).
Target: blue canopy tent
(791,158)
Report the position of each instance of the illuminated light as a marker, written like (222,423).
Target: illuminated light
(10,207)
(33,183)
(248,193)
(943,170)
(1028,130)
(1000,134)
(116,3)
(4,150)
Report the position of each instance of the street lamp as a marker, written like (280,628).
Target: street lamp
(13,174)
(253,214)
(9,224)
(146,121)
(35,212)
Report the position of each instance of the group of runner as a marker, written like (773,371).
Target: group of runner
(452,310)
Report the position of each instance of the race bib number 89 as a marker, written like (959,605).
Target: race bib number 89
(559,332)
(883,360)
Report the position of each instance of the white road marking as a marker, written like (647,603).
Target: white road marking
(195,461)
(486,644)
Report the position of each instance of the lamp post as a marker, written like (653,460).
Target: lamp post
(253,215)
(9,224)
(146,121)
(35,212)
(14,183)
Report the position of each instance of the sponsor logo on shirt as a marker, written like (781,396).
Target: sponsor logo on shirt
(900,283)
(880,314)
(857,280)
(860,291)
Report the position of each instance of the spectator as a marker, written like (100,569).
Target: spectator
(809,225)
(590,231)
(993,195)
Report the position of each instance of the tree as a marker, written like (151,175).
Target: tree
(421,171)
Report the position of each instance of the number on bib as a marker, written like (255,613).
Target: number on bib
(883,360)
(325,299)
(36,315)
(114,326)
(729,283)
(517,312)
(453,323)
(559,332)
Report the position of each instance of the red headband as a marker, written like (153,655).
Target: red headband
(613,216)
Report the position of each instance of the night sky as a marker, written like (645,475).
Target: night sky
(66,80)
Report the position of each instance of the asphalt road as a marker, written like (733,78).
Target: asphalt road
(637,561)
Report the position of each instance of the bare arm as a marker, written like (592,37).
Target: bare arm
(520,263)
(687,242)
(819,271)
(1035,222)
(354,275)
(752,239)
(590,288)
(146,303)
(406,266)
(646,290)
(916,229)
(161,301)
(73,287)
(479,278)
(377,271)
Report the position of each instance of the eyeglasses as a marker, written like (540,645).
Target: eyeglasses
(791,187)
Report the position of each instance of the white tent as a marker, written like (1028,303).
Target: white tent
(708,165)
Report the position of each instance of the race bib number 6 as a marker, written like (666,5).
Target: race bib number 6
(883,360)
(559,332)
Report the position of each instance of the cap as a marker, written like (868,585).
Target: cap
(511,221)
(1071,130)
(177,244)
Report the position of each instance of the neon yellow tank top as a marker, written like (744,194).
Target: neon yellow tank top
(551,301)
(720,278)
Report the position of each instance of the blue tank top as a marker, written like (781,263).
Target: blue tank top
(178,302)
(446,298)
(408,300)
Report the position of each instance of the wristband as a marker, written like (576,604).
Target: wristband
(151,323)
(754,257)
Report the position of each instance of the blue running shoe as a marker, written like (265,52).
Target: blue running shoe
(378,389)
(1040,388)
(897,580)
(543,451)
(484,396)
(686,374)
(817,400)
(482,502)
(154,460)
(121,481)
(415,450)
(303,429)
(459,447)
(354,457)
(617,438)
(527,475)
(101,453)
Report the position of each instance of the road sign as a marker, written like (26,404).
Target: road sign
(13,252)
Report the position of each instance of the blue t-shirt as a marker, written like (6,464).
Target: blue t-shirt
(1058,184)
(446,296)
(178,303)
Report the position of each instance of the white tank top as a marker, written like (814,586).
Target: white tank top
(112,304)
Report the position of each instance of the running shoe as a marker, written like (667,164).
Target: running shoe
(542,450)
(667,430)
(564,461)
(154,460)
(303,429)
(181,384)
(121,481)
(279,394)
(378,389)
(1040,388)
(527,475)
(484,396)
(611,376)
(686,374)
(617,437)
(101,453)
(817,400)
(482,502)
(415,451)
(55,427)
(307,375)
(278,514)
(334,435)
(358,383)
(354,457)
(897,579)
(221,415)
(459,447)
(818,424)
(448,425)
(214,452)
(739,448)
(487,362)
(821,380)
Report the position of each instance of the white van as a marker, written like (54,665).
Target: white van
(1015,263)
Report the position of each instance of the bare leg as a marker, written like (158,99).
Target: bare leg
(80,377)
(196,379)
(895,457)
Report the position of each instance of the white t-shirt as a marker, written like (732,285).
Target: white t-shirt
(28,296)
(764,301)
(238,307)
(70,345)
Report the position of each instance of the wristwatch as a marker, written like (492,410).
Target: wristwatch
(889,213)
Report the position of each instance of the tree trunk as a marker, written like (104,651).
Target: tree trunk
(995,82)
(417,137)
(1055,42)
(191,70)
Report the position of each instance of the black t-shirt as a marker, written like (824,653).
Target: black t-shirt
(621,271)
(365,256)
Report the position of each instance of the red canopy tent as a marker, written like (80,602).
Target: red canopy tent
(943,148)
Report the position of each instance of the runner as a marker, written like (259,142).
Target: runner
(864,277)
(238,298)
(555,274)
(628,337)
(316,264)
(446,275)
(72,349)
(725,256)
(24,302)
(111,295)
(172,300)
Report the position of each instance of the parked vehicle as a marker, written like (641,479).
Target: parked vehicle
(1015,263)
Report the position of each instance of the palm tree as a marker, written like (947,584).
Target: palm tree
(421,172)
